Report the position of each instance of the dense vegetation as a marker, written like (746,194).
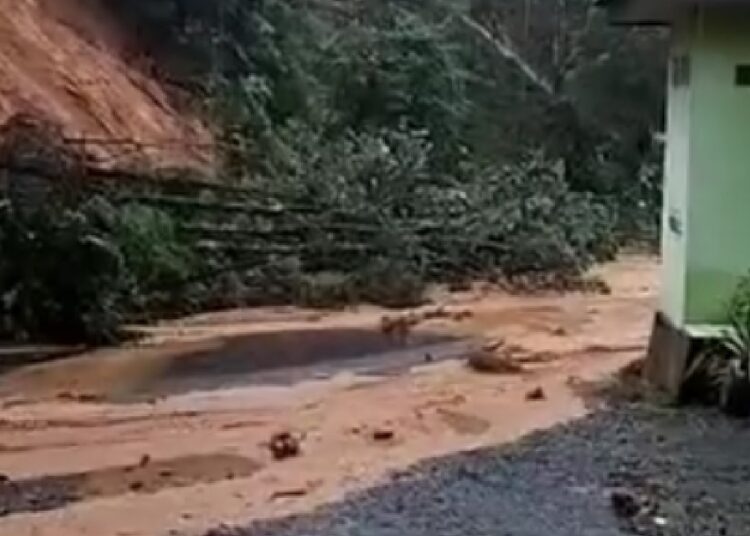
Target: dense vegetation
(400,143)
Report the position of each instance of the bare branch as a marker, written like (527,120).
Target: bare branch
(505,48)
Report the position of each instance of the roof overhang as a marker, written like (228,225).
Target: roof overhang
(659,12)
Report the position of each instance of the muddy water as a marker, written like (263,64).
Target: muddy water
(283,355)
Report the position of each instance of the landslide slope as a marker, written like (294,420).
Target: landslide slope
(64,61)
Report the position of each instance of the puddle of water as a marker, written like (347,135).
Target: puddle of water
(145,476)
(280,357)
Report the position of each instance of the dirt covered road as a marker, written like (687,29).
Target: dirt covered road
(172,436)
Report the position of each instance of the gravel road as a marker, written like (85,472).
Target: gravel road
(675,473)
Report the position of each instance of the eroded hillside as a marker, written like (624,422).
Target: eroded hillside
(64,61)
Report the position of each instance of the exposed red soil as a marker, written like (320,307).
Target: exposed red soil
(62,60)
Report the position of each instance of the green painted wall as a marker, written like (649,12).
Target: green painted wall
(716,241)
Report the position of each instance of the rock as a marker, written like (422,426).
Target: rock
(4,479)
(383,434)
(559,331)
(284,445)
(536,395)
(136,486)
(428,358)
(145,460)
(624,504)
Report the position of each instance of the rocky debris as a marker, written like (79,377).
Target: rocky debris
(536,395)
(284,445)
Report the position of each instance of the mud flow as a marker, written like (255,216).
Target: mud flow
(174,434)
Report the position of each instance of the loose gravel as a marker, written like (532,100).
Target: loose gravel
(687,473)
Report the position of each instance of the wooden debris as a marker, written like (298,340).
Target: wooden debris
(460,316)
(383,434)
(289,493)
(397,327)
(536,395)
(496,362)
(559,331)
(83,398)
(436,314)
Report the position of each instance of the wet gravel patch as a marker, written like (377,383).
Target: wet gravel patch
(53,492)
(681,473)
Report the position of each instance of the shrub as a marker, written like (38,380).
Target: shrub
(159,262)
(62,278)
(72,273)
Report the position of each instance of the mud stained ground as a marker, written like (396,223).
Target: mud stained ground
(172,436)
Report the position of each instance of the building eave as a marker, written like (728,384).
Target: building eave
(659,12)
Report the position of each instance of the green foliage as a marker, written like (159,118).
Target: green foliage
(61,277)
(73,273)
(720,374)
(737,339)
(158,261)
(391,283)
